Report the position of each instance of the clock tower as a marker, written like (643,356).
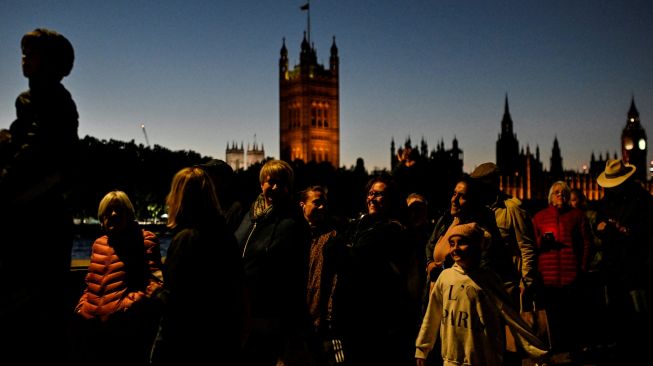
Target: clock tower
(634,143)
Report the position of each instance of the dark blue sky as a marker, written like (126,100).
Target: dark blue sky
(200,74)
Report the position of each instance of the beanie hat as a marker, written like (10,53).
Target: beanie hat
(471,232)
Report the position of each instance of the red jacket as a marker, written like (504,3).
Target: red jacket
(561,265)
(107,289)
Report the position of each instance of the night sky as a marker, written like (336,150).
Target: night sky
(200,74)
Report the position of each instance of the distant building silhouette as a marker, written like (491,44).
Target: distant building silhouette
(524,177)
(235,156)
(634,144)
(598,165)
(555,169)
(433,173)
(255,154)
(522,172)
(507,145)
(309,107)
(449,160)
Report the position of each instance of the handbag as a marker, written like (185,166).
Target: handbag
(537,319)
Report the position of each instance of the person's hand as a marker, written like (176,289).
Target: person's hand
(5,136)
(601,226)
(429,267)
(542,361)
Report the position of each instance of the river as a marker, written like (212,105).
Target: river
(85,235)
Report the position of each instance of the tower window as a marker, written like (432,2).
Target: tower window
(319,114)
(293,117)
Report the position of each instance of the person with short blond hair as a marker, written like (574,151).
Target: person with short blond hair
(274,242)
(278,169)
(124,273)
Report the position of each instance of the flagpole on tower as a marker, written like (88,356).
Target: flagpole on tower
(307,7)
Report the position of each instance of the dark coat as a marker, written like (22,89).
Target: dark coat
(35,221)
(204,314)
(372,305)
(275,250)
(628,238)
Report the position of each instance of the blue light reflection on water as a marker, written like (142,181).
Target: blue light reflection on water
(82,245)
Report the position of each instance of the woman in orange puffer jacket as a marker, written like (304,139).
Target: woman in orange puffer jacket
(119,321)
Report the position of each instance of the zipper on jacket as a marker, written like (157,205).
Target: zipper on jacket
(248,237)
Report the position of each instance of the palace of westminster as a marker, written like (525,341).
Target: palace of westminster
(309,130)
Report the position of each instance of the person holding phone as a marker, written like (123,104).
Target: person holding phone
(563,242)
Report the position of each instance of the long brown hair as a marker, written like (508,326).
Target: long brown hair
(192,200)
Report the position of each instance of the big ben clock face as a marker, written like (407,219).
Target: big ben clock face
(628,143)
(641,144)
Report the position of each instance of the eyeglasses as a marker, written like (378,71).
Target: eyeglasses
(375,194)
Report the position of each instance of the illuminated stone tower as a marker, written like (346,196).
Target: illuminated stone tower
(634,143)
(255,154)
(235,156)
(309,107)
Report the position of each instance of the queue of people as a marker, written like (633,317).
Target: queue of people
(300,287)
(284,283)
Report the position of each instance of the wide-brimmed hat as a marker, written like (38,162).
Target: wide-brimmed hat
(485,171)
(615,173)
(217,167)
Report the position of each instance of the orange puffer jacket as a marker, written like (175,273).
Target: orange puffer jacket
(107,290)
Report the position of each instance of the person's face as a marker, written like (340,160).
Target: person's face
(459,199)
(574,200)
(314,208)
(115,219)
(376,201)
(32,62)
(461,251)
(417,211)
(559,198)
(274,190)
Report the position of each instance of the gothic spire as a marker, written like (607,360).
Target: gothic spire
(506,122)
(632,112)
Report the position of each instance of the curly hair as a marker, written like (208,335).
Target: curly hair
(57,51)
